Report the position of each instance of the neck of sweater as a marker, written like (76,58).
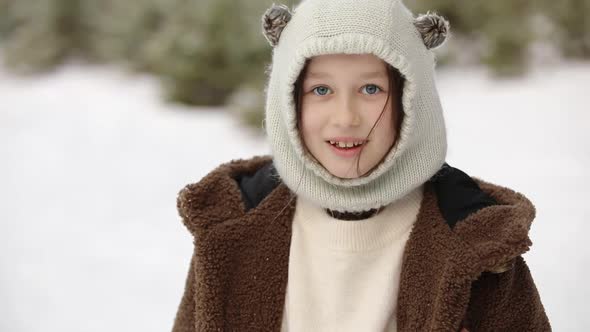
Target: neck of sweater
(354,215)
(376,231)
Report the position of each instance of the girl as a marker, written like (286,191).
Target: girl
(355,223)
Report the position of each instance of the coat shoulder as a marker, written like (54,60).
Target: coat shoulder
(458,194)
(492,219)
(217,197)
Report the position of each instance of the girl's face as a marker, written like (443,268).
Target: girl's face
(342,98)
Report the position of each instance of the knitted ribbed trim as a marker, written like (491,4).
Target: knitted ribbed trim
(352,216)
(379,231)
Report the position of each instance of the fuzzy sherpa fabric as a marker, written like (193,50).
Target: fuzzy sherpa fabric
(238,274)
(384,28)
(433,28)
(274,21)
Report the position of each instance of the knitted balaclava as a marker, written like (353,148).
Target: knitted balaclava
(388,30)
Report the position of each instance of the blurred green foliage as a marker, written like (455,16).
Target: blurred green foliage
(37,35)
(571,19)
(502,27)
(202,49)
(118,31)
(207,52)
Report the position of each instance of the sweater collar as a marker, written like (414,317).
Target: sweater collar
(389,226)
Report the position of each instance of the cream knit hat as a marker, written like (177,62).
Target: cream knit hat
(388,30)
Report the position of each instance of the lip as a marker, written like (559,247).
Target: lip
(348,152)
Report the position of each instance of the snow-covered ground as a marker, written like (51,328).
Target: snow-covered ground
(91,161)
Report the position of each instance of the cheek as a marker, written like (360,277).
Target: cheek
(386,126)
(310,122)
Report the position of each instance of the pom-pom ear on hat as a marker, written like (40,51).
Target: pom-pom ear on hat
(433,28)
(274,21)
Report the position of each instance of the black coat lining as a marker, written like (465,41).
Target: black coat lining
(458,194)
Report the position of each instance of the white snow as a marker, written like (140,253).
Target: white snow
(92,160)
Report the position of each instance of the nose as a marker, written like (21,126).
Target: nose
(346,112)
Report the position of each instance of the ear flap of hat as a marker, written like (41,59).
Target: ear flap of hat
(274,21)
(433,28)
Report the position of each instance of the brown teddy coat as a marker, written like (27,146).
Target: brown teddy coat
(470,275)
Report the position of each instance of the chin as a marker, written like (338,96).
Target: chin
(344,173)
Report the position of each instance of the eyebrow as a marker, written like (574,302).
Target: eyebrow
(373,74)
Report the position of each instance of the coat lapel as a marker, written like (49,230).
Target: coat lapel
(437,271)
(244,268)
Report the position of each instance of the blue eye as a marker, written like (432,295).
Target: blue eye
(371,89)
(321,90)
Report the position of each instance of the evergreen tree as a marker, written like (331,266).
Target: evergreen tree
(118,30)
(571,19)
(502,28)
(207,49)
(40,34)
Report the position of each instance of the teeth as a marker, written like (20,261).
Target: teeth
(345,144)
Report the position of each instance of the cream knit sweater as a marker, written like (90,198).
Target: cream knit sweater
(344,275)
